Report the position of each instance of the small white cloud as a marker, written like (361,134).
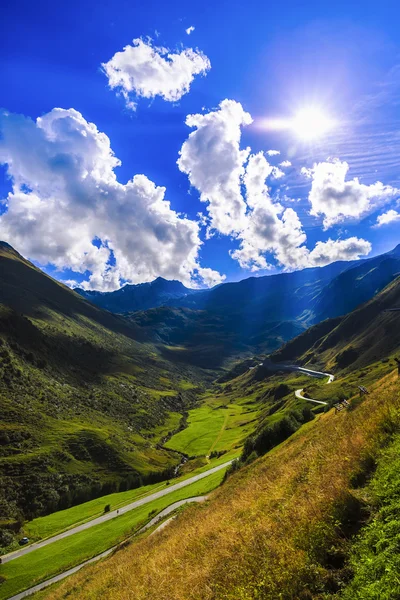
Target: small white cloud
(339,200)
(146,71)
(388,217)
(190,30)
(71,283)
(277,173)
(273,152)
(210,277)
(350,249)
(285,163)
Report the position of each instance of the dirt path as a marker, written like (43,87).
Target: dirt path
(219,435)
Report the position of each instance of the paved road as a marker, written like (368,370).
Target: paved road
(112,514)
(319,374)
(168,511)
(61,576)
(299,394)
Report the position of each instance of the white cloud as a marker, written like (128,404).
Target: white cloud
(210,277)
(337,199)
(190,30)
(66,195)
(272,229)
(388,217)
(350,249)
(273,152)
(146,71)
(285,164)
(277,173)
(70,283)
(219,169)
(213,161)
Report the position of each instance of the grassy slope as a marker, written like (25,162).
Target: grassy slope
(278,528)
(64,554)
(85,400)
(49,525)
(220,424)
(234,409)
(375,558)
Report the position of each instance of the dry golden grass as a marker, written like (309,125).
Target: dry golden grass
(262,535)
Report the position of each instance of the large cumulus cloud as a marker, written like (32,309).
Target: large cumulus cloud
(233,183)
(67,207)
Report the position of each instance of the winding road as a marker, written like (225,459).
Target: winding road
(319,375)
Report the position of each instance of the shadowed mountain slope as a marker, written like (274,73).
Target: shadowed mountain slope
(85,400)
(257,314)
(159,292)
(369,333)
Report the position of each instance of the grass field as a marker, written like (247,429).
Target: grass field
(218,425)
(45,562)
(50,525)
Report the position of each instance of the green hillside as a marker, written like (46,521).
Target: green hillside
(85,400)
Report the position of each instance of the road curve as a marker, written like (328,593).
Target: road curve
(61,576)
(319,374)
(112,514)
(299,394)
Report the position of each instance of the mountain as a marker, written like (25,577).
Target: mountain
(358,284)
(368,334)
(311,294)
(258,315)
(315,518)
(159,292)
(85,398)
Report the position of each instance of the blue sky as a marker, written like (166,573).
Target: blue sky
(67,203)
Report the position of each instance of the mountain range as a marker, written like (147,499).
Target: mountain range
(255,315)
(141,296)
(313,293)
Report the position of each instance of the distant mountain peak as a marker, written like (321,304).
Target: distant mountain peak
(6,248)
(168,284)
(396,251)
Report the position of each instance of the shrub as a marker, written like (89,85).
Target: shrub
(107,508)
(272,435)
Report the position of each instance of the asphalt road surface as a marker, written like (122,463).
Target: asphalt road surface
(319,374)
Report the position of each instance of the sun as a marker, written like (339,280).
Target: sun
(311,123)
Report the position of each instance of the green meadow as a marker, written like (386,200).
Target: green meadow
(62,555)
(220,424)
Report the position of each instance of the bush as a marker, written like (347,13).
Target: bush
(272,435)
(346,358)
(107,508)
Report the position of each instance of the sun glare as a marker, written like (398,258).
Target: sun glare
(311,123)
